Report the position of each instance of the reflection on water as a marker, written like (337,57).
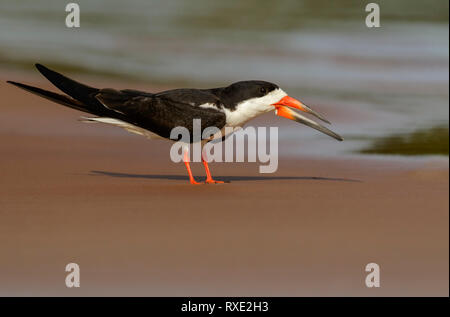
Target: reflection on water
(371,82)
(434,141)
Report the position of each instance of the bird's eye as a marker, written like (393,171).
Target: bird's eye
(263,90)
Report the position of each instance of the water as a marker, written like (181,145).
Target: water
(370,82)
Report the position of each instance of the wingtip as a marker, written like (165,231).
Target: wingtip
(45,71)
(13,83)
(40,67)
(19,85)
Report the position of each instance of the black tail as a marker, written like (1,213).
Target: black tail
(83,96)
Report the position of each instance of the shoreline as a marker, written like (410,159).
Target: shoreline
(115,204)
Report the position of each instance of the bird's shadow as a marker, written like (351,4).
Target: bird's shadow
(226,179)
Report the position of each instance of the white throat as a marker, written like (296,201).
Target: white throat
(251,108)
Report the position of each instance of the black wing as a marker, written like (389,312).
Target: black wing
(158,113)
(162,112)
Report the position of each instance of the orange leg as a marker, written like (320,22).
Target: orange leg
(188,167)
(209,179)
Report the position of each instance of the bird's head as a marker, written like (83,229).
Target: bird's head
(254,97)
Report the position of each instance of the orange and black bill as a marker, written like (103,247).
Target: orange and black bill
(282,110)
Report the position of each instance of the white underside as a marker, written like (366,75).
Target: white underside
(141,131)
(125,125)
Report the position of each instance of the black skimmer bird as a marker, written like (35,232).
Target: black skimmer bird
(156,114)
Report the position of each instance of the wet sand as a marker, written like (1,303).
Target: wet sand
(115,204)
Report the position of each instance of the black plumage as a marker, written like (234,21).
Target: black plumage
(151,114)
(155,112)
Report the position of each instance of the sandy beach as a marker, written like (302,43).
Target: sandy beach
(115,204)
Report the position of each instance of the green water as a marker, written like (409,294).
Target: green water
(433,141)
